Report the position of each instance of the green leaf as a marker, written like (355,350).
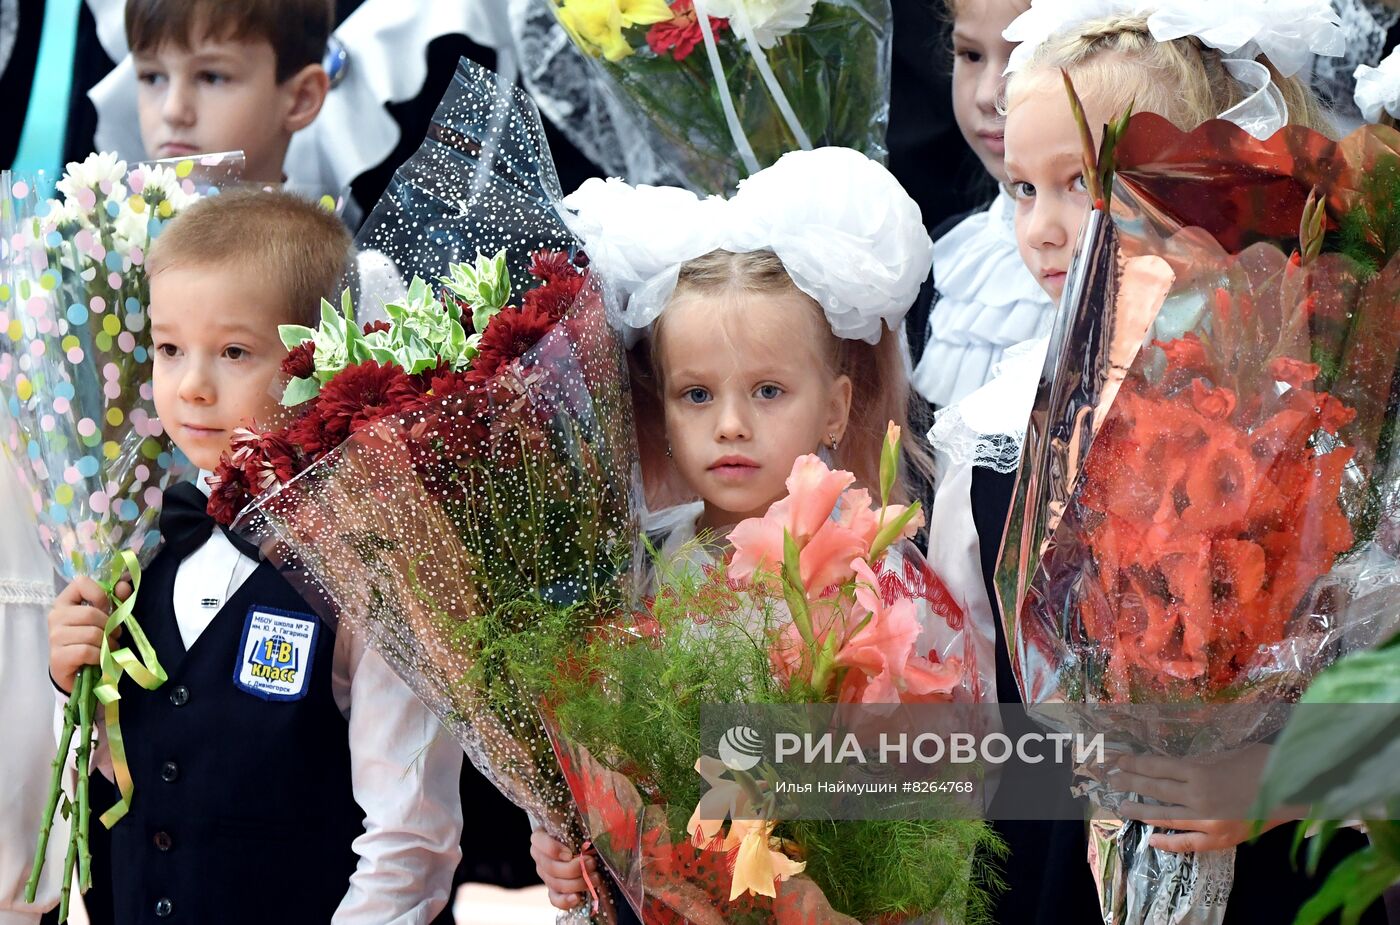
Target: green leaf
(1327,745)
(793,591)
(300,390)
(1352,887)
(1323,833)
(1367,786)
(482,315)
(383,355)
(294,335)
(1385,837)
(891,531)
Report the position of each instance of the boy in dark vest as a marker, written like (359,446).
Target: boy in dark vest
(322,793)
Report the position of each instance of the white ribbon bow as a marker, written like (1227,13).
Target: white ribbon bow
(1287,32)
(1378,88)
(846,231)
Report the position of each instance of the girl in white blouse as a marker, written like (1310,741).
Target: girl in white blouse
(983,299)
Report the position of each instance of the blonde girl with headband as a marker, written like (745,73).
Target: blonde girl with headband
(981,299)
(1188,61)
(765,328)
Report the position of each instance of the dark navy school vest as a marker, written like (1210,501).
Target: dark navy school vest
(243,808)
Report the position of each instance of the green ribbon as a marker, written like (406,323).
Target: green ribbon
(140,665)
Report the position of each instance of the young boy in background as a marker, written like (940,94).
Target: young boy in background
(329,795)
(225,75)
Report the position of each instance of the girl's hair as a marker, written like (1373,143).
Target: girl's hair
(879,384)
(951,8)
(1117,60)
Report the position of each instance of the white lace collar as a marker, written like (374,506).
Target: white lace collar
(987,301)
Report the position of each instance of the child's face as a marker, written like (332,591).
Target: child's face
(1045,174)
(217,354)
(744,397)
(223,95)
(979,58)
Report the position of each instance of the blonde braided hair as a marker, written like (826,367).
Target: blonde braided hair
(1118,62)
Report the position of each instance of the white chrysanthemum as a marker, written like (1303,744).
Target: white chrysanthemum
(63,216)
(770,20)
(163,184)
(90,173)
(131,229)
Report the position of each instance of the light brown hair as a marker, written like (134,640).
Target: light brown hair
(1118,62)
(297,30)
(951,8)
(879,384)
(303,249)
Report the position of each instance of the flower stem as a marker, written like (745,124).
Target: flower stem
(68,861)
(86,708)
(60,760)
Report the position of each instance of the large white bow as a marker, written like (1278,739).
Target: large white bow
(1287,32)
(1378,88)
(846,231)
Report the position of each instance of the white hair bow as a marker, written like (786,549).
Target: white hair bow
(1287,32)
(1378,89)
(846,231)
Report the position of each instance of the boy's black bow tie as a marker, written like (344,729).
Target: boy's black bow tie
(185,523)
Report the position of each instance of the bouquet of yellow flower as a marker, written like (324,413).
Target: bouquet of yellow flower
(726,87)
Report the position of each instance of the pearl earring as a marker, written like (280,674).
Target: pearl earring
(834,442)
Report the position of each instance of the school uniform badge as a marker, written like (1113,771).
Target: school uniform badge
(275,655)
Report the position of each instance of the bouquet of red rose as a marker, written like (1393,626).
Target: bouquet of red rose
(1209,500)
(465,470)
(726,87)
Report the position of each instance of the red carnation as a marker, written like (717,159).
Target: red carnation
(679,35)
(300,361)
(375,326)
(508,337)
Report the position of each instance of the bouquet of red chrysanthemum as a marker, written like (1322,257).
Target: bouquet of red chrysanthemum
(1209,496)
(464,470)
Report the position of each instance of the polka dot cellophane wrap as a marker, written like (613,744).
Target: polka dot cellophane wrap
(519,490)
(75,361)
